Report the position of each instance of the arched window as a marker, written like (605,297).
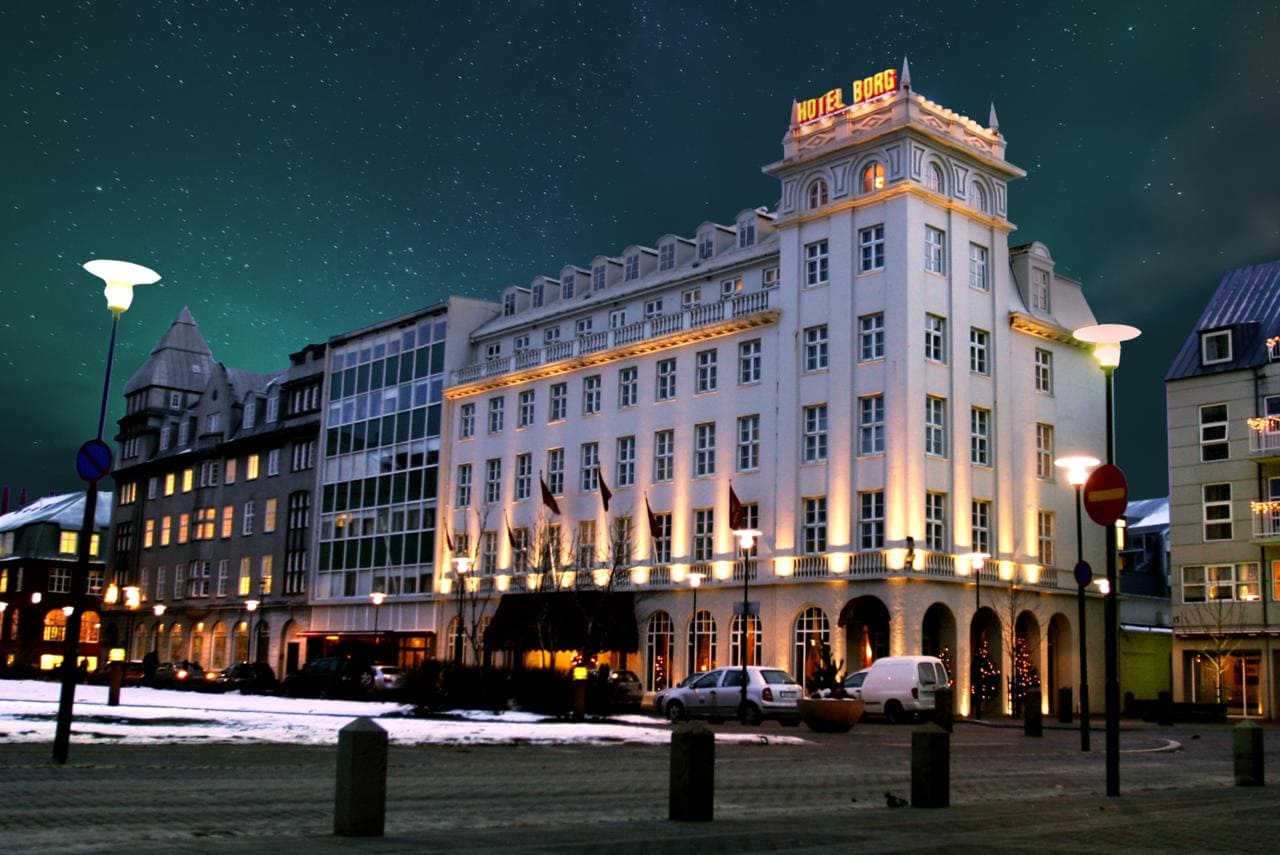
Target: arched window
(240,642)
(817,194)
(702,642)
(978,197)
(811,631)
(197,645)
(90,628)
(175,643)
(933,178)
(873,178)
(55,625)
(753,641)
(219,652)
(658,651)
(262,644)
(157,633)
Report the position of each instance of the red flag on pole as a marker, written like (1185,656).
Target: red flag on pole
(511,535)
(605,493)
(448,540)
(737,512)
(548,499)
(653,518)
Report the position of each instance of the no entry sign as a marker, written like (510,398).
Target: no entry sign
(93,460)
(1106,495)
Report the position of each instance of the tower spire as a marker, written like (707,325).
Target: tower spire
(992,121)
(906,73)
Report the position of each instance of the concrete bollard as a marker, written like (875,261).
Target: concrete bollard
(693,773)
(1246,744)
(360,801)
(1064,705)
(944,708)
(1032,717)
(117,680)
(930,767)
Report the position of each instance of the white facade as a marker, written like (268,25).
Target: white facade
(863,332)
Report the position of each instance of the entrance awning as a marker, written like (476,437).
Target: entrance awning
(564,620)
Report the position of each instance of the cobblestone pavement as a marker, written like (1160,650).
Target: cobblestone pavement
(1008,793)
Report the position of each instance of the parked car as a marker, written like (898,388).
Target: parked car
(133,672)
(379,680)
(329,677)
(610,691)
(898,687)
(248,678)
(182,674)
(715,695)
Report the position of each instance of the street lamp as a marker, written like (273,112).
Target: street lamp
(250,606)
(157,610)
(376,597)
(1106,340)
(1078,467)
(120,278)
(976,561)
(746,541)
(695,580)
(461,566)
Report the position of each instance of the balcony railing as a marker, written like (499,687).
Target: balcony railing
(1266,521)
(752,571)
(811,566)
(1264,435)
(739,306)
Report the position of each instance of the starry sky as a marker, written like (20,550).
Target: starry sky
(297,170)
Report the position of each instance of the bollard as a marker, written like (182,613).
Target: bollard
(1064,705)
(360,801)
(693,773)
(117,680)
(1032,717)
(944,712)
(930,767)
(1164,709)
(1246,744)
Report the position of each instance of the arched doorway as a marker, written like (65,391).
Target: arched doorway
(938,636)
(1026,659)
(291,647)
(1058,672)
(986,653)
(866,626)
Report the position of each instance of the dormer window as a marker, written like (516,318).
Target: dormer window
(175,400)
(933,178)
(273,408)
(746,232)
(706,246)
(250,411)
(184,433)
(978,198)
(166,434)
(1040,290)
(597,277)
(667,255)
(213,423)
(508,305)
(633,266)
(536,297)
(817,194)
(566,287)
(873,178)
(1215,347)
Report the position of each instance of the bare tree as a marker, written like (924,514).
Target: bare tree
(1219,623)
(1016,600)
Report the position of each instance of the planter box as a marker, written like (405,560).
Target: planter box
(830,715)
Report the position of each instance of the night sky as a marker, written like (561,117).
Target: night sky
(295,171)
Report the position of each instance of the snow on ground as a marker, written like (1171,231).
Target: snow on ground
(28,710)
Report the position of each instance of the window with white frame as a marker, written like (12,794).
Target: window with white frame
(813,536)
(935,521)
(815,264)
(551,335)
(273,462)
(664,450)
(748,456)
(749,361)
(1216,583)
(1213,433)
(871,519)
(935,426)
(617,318)
(1040,290)
(624,473)
(979,351)
(493,480)
(586,544)
(589,467)
(1044,451)
(933,178)
(871,424)
(591,387)
(815,348)
(978,197)
(665,386)
(871,248)
(980,436)
(304,455)
(497,408)
(690,298)
(555,471)
(520,342)
(703,534)
(980,525)
(488,552)
(653,308)
(935,338)
(1215,347)
(628,386)
(493,350)
(568,285)
(871,337)
(818,194)
(667,255)
(706,245)
(1044,371)
(1216,511)
(730,287)
(815,433)
(246,523)
(746,232)
(558,402)
(598,277)
(661,537)
(632,267)
(978,268)
(771,277)
(525,408)
(524,476)
(184,432)
(704,449)
(1045,524)
(705,364)
(583,326)
(935,250)
(536,295)
(462,484)
(872,177)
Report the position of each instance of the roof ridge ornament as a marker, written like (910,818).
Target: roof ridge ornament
(992,121)
(906,73)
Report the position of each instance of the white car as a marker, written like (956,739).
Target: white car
(715,695)
(378,679)
(898,686)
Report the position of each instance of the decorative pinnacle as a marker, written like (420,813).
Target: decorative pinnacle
(906,73)
(992,121)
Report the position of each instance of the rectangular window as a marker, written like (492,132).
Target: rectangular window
(551,335)
(1241,583)
(617,318)
(749,361)
(871,424)
(246,521)
(746,233)
(149,534)
(632,267)
(871,520)
(1044,371)
(568,284)
(251,467)
(304,455)
(980,436)
(497,408)
(666,381)
(1044,451)
(706,370)
(273,462)
(653,308)
(871,249)
(1213,433)
(772,276)
(524,476)
(462,495)
(555,471)
(166,530)
(591,395)
(667,255)
(815,433)
(624,474)
(814,536)
(1040,290)
(1215,347)
(871,337)
(935,521)
(664,449)
(704,449)
(979,351)
(224,573)
(935,338)
(493,480)
(525,408)
(520,342)
(661,536)
(815,348)
(60,579)
(1217,511)
(228,520)
(188,480)
(730,287)
(559,402)
(628,387)
(980,525)
(152,487)
(706,245)
(935,250)
(935,426)
(703,534)
(589,463)
(231,470)
(1044,533)
(269,516)
(815,264)
(170,483)
(690,298)
(978,268)
(184,528)
(587,544)
(748,443)
(598,277)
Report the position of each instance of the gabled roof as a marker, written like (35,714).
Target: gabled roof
(182,360)
(67,511)
(1247,302)
(1147,513)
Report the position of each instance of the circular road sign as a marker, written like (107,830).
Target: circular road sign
(1084,574)
(1106,494)
(93,460)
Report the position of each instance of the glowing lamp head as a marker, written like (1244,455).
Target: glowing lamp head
(3,606)
(1106,340)
(462,565)
(746,537)
(120,277)
(377,597)
(252,605)
(1077,466)
(68,610)
(1104,587)
(132,596)
(976,560)
(695,579)
(158,609)
(36,597)
(111,596)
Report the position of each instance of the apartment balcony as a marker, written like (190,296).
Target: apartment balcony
(743,311)
(1266,521)
(1264,437)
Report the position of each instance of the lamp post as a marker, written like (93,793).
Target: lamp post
(376,598)
(120,277)
(250,606)
(1106,340)
(1078,467)
(976,561)
(461,566)
(746,541)
(695,580)
(158,610)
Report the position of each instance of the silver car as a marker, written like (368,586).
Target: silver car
(715,696)
(379,679)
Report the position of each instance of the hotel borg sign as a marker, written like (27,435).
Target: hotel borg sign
(866,89)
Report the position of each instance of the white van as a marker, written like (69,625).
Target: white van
(898,686)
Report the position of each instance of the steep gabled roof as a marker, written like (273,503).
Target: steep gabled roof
(1247,302)
(182,360)
(66,511)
